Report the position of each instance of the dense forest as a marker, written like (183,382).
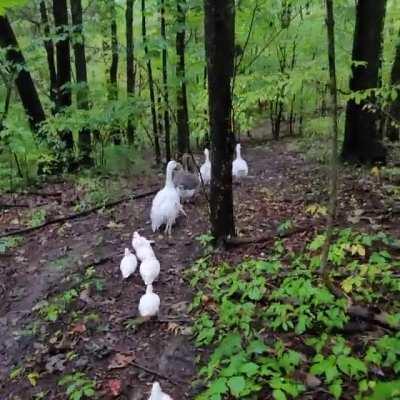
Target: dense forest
(277,275)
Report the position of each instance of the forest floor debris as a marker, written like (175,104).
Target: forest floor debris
(66,316)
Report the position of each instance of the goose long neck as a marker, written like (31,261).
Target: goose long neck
(168,180)
(207,154)
(238,155)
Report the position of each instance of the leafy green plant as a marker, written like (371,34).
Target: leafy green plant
(9,243)
(37,217)
(78,386)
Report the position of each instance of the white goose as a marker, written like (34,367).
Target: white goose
(239,166)
(157,393)
(166,205)
(149,303)
(205,169)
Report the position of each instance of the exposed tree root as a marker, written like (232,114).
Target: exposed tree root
(270,236)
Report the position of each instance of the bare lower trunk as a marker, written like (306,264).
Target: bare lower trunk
(219,38)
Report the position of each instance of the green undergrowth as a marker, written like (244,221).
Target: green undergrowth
(269,327)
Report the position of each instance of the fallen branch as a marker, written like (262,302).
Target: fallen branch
(157,374)
(270,236)
(14,206)
(77,215)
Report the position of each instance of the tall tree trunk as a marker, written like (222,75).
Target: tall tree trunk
(393,126)
(182,106)
(114,53)
(130,66)
(26,88)
(219,42)
(165,84)
(361,142)
(49,47)
(330,24)
(84,145)
(157,150)
(63,98)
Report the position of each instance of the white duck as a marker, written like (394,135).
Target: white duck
(239,166)
(186,182)
(157,393)
(149,270)
(142,247)
(205,169)
(128,264)
(167,204)
(149,303)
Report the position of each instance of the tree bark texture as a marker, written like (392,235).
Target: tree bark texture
(165,84)
(219,42)
(49,47)
(157,150)
(114,53)
(183,139)
(25,85)
(63,97)
(361,142)
(130,65)
(393,125)
(85,144)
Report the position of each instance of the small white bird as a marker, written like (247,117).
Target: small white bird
(205,169)
(142,247)
(149,270)
(157,393)
(128,264)
(149,303)
(239,166)
(166,205)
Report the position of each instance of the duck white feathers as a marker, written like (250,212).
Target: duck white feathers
(239,165)
(128,264)
(166,205)
(157,393)
(205,169)
(149,303)
(142,247)
(149,270)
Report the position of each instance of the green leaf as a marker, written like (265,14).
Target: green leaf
(236,385)
(256,347)
(335,389)
(218,386)
(249,369)
(279,394)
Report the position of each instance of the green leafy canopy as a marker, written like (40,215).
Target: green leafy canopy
(4,4)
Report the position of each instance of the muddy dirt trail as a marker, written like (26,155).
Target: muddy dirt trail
(64,307)
(47,261)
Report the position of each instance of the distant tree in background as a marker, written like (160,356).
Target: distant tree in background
(49,47)
(84,145)
(130,65)
(156,139)
(26,88)
(63,56)
(394,122)
(362,142)
(182,112)
(167,129)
